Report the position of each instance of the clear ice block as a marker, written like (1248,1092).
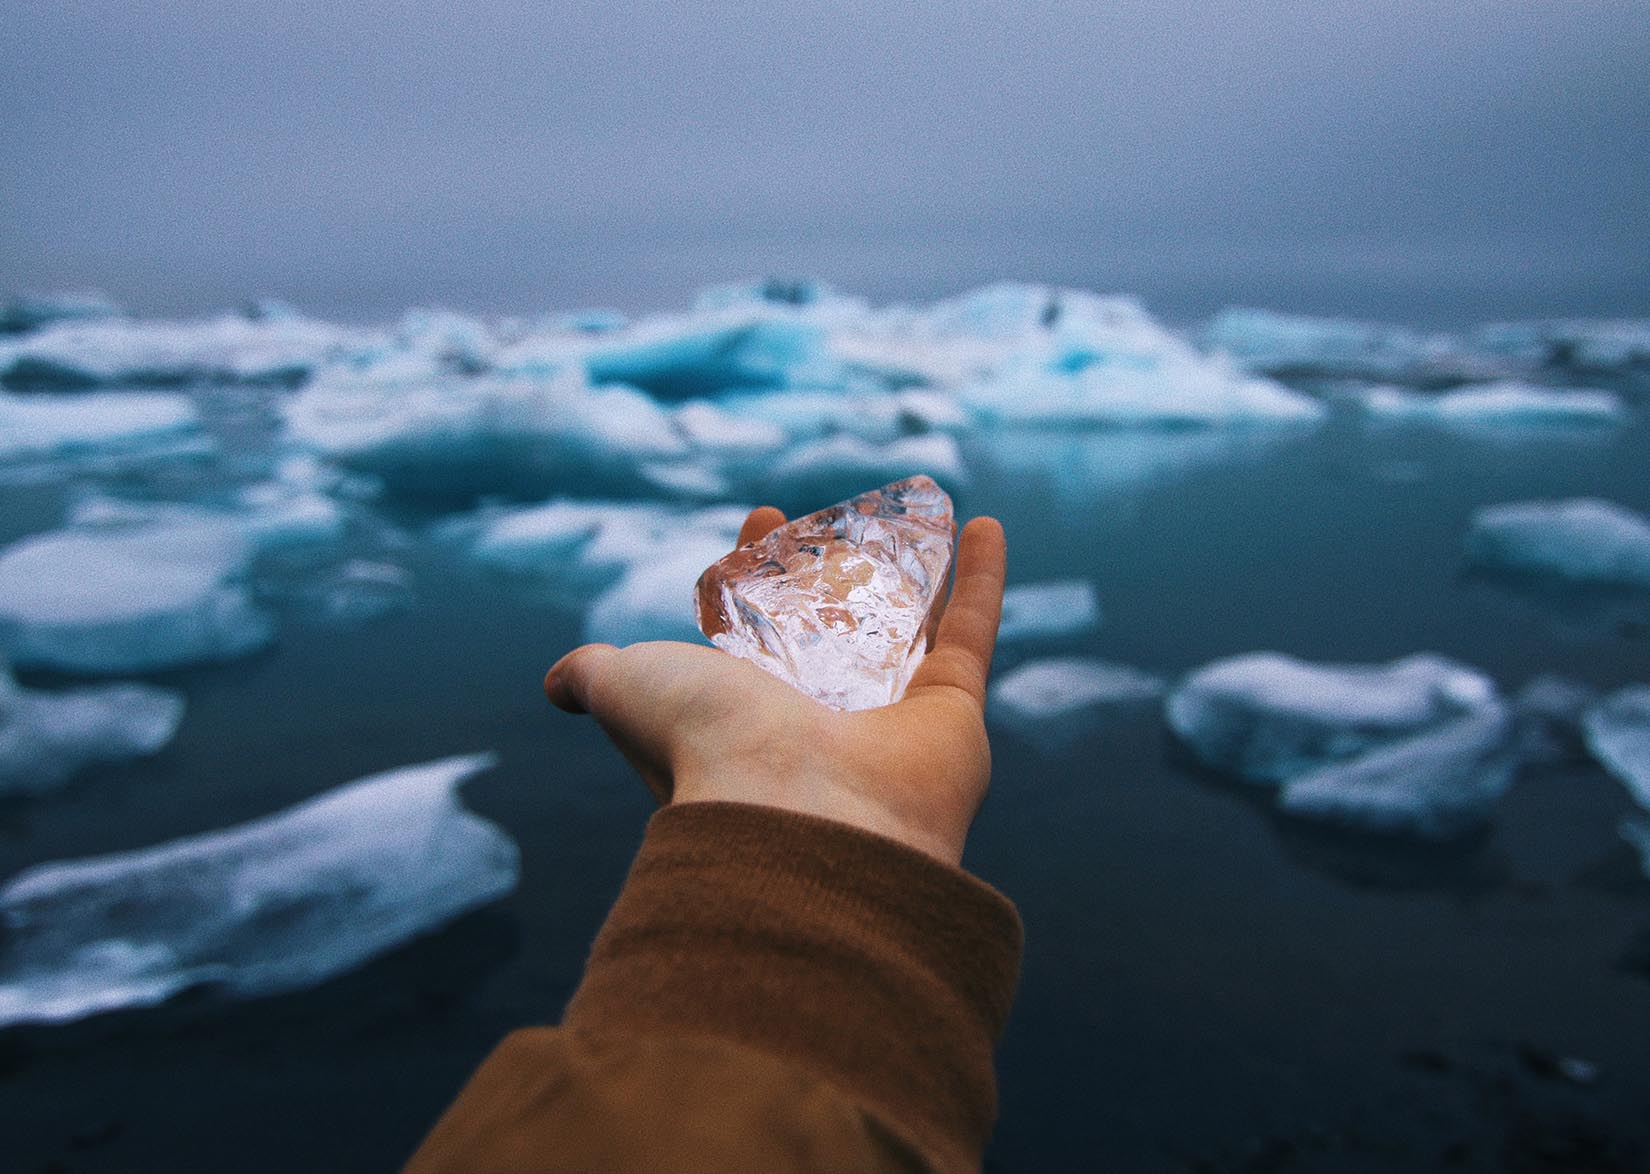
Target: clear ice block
(837,603)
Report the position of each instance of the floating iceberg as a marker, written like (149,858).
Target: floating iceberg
(1438,785)
(674,363)
(1182,392)
(1066,607)
(1578,345)
(1295,344)
(133,586)
(1043,690)
(278,904)
(23,314)
(653,597)
(1582,539)
(1617,730)
(837,467)
(36,427)
(1266,718)
(468,437)
(1496,405)
(268,349)
(46,738)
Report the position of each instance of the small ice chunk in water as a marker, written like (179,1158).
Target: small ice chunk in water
(1617,730)
(837,603)
(46,738)
(274,905)
(1059,686)
(1582,539)
(1064,607)
(1439,785)
(130,599)
(1266,717)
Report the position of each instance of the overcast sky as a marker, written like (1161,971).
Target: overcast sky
(1429,160)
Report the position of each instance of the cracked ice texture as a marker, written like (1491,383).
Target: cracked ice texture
(837,603)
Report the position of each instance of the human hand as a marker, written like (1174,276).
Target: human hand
(701,725)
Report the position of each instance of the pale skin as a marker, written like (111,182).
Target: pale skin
(702,726)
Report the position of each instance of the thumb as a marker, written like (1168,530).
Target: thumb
(572,682)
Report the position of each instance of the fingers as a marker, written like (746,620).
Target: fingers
(762,519)
(961,657)
(931,630)
(571,681)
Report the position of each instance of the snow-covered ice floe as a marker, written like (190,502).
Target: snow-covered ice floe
(632,564)
(46,738)
(1496,406)
(1583,539)
(1263,340)
(1437,785)
(1265,717)
(1066,607)
(1421,747)
(136,586)
(38,427)
(278,904)
(1578,344)
(32,311)
(1057,687)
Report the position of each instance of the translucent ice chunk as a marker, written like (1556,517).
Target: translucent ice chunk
(1266,717)
(1496,405)
(278,904)
(46,738)
(836,603)
(1583,539)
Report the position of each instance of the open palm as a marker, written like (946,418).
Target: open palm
(703,726)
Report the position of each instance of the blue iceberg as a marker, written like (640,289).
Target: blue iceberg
(1066,607)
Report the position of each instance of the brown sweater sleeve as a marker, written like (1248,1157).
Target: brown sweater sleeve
(771,992)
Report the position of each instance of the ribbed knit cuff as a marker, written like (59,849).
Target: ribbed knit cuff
(869,963)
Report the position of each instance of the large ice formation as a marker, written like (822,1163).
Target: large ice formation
(46,738)
(1496,405)
(1582,539)
(30,312)
(1265,717)
(1618,733)
(278,904)
(35,427)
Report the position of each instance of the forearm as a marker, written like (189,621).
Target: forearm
(860,968)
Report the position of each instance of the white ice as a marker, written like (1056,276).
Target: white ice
(36,426)
(32,311)
(235,348)
(1579,344)
(1178,391)
(1438,785)
(133,586)
(1056,687)
(1065,607)
(1496,405)
(278,904)
(1617,730)
(1266,717)
(48,737)
(1263,340)
(1582,539)
(819,473)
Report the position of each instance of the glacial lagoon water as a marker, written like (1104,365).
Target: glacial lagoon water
(1208,984)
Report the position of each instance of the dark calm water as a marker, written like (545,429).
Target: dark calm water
(1205,987)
